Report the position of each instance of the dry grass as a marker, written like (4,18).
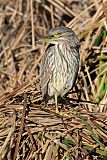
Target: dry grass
(28,130)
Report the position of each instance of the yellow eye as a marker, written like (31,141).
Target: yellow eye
(57,34)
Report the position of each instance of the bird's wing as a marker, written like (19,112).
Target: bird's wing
(73,68)
(45,70)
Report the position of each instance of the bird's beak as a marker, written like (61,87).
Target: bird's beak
(43,39)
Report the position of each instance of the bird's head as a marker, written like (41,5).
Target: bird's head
(60,34)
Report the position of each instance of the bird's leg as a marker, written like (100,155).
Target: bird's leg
(56,104)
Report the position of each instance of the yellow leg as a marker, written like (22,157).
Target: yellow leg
(56,104)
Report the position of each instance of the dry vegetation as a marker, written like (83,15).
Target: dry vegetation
(28,130)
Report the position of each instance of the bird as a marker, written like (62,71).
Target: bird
(60,63)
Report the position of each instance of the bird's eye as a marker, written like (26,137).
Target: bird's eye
(57,34)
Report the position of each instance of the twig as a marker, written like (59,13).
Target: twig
(21,126)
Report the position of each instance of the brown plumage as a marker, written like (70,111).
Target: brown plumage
(60,63)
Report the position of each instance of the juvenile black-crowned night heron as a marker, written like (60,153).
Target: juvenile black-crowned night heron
(60,63)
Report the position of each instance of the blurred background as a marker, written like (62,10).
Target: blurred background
(21,23)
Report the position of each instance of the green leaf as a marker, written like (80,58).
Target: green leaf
(100,38)
(101,152)
(68,143)
(91,131)
(89,148)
